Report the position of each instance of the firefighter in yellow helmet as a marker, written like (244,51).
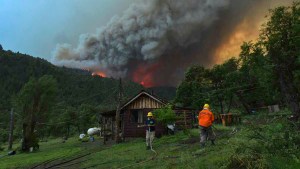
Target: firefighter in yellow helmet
(206,118)
(150,130)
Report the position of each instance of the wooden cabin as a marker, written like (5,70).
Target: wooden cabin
(134,113)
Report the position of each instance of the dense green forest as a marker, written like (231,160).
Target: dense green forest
(78,93)
(266,72)
(74,84)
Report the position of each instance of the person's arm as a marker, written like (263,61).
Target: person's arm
(150,123)
(199,115)
(142,125)
(154,122)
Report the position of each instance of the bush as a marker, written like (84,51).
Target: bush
(248,155)
(279,138)
(86,138)
(165,115)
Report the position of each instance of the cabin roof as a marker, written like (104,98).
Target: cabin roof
(143,92)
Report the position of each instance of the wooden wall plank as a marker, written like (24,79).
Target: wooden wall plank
(144,102)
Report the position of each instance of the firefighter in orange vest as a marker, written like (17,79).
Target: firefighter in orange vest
(206,118)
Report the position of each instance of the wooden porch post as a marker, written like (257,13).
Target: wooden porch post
(184,113)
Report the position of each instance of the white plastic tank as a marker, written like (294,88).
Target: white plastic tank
(94,131)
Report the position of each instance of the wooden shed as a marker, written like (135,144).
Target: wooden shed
(134,113)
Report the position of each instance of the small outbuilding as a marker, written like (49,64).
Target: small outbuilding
(134,113)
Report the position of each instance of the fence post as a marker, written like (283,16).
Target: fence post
(11,129)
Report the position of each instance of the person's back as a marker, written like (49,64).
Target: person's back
(205,118)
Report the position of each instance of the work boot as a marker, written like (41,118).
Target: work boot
(148,148)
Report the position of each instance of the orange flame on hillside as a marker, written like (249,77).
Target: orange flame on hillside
(101,74)
(144,74)
(142,83)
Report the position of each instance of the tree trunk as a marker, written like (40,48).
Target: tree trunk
(24,140)
(289,91)
(221,105)
(117,124)
(11,130)
(103,130)
(229,105)
(27,137)
(68,131)
(117,131)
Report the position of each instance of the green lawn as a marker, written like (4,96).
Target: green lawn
(48,150)
(180,150)
(177,151)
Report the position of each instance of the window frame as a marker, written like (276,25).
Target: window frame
(140,116)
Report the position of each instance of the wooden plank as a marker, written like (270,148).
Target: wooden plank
(144,102)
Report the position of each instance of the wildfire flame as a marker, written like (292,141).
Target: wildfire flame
(101,74)
(144,74)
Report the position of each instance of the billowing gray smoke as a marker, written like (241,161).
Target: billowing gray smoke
(153,42)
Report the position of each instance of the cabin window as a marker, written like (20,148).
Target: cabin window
(137,116)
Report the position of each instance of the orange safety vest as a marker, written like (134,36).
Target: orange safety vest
(206,118)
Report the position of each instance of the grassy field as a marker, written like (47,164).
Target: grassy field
(179,151)
(48,150)
(233,148)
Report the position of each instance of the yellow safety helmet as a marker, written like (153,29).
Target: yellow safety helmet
(206,106)
(149,114)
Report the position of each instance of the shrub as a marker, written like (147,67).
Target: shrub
(86,138)
(165,115)
(278,138)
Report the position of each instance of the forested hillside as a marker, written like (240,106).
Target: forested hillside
(74,85)
(78,92)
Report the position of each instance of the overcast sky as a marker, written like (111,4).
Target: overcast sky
(35,26)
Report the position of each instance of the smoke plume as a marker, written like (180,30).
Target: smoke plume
(153,42)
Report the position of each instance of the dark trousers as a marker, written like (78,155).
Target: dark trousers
(206,133)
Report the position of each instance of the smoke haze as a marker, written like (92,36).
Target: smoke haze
(153,42)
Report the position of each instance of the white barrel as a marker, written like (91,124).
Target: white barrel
(93,131)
